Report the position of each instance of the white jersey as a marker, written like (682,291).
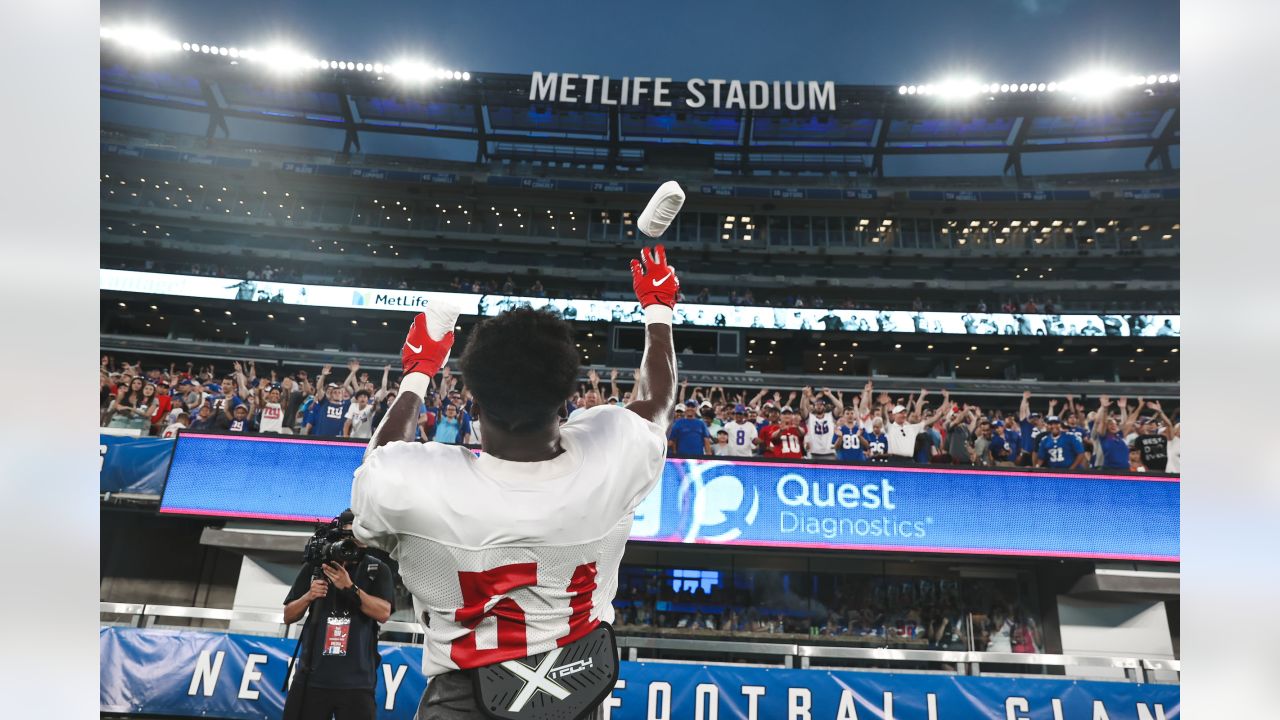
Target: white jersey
(361,420)
(510,559)
(902,438)
(742,437)
(819,438)
(272,418)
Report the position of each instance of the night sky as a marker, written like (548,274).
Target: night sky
(849,42)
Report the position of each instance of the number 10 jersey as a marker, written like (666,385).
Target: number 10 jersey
(510,559)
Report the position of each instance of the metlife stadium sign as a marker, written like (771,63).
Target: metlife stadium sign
(152,671)
(750,503)
(694,94)
(727,316)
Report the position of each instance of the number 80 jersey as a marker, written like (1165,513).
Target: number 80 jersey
(510,559)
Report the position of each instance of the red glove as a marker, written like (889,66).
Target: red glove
(421,353)
(654,281)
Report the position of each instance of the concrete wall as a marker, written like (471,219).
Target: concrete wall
(1119,628)
(147,558)
(262,587)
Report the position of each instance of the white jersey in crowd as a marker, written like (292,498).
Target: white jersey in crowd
(361,420)
(742,437)
(510,559)
(902,438)
(272,418)
(819,434)
(1174,451)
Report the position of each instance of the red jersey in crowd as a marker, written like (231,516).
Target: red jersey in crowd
(765,435)
(787,442)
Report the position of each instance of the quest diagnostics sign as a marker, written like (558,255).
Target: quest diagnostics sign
(750,502)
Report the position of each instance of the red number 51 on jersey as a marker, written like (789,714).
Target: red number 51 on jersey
(481,589)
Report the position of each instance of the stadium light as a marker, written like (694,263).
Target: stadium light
(959,88)
(1096,83)
(141,39)
(280,58)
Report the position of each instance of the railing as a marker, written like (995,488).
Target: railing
(790,655)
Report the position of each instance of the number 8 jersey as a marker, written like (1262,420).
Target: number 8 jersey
(510,559)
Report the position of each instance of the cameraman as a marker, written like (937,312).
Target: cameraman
(337,671)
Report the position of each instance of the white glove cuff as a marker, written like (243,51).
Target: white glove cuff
(658,313)
(416,383)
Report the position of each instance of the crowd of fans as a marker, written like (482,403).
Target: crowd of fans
(817,424)
(929,613)
(822,425)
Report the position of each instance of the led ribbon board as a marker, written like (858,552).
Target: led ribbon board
(863,321)
(750,503)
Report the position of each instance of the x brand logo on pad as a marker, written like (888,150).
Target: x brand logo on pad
(535,680)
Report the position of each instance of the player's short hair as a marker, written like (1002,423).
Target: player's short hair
(521,365)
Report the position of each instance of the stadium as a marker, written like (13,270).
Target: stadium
(996,261)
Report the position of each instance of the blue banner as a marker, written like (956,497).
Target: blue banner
(200,674)
(132,465)
(751,502)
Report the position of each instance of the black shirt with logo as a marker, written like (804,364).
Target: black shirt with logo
(345,654)
(1155,451)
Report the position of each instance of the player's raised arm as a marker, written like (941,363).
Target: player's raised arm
(426,349)
(656,287)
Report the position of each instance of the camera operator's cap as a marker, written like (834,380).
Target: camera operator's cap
(898,409)
(1053,419)
(739,409)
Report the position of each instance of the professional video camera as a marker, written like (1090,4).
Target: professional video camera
(331,543)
